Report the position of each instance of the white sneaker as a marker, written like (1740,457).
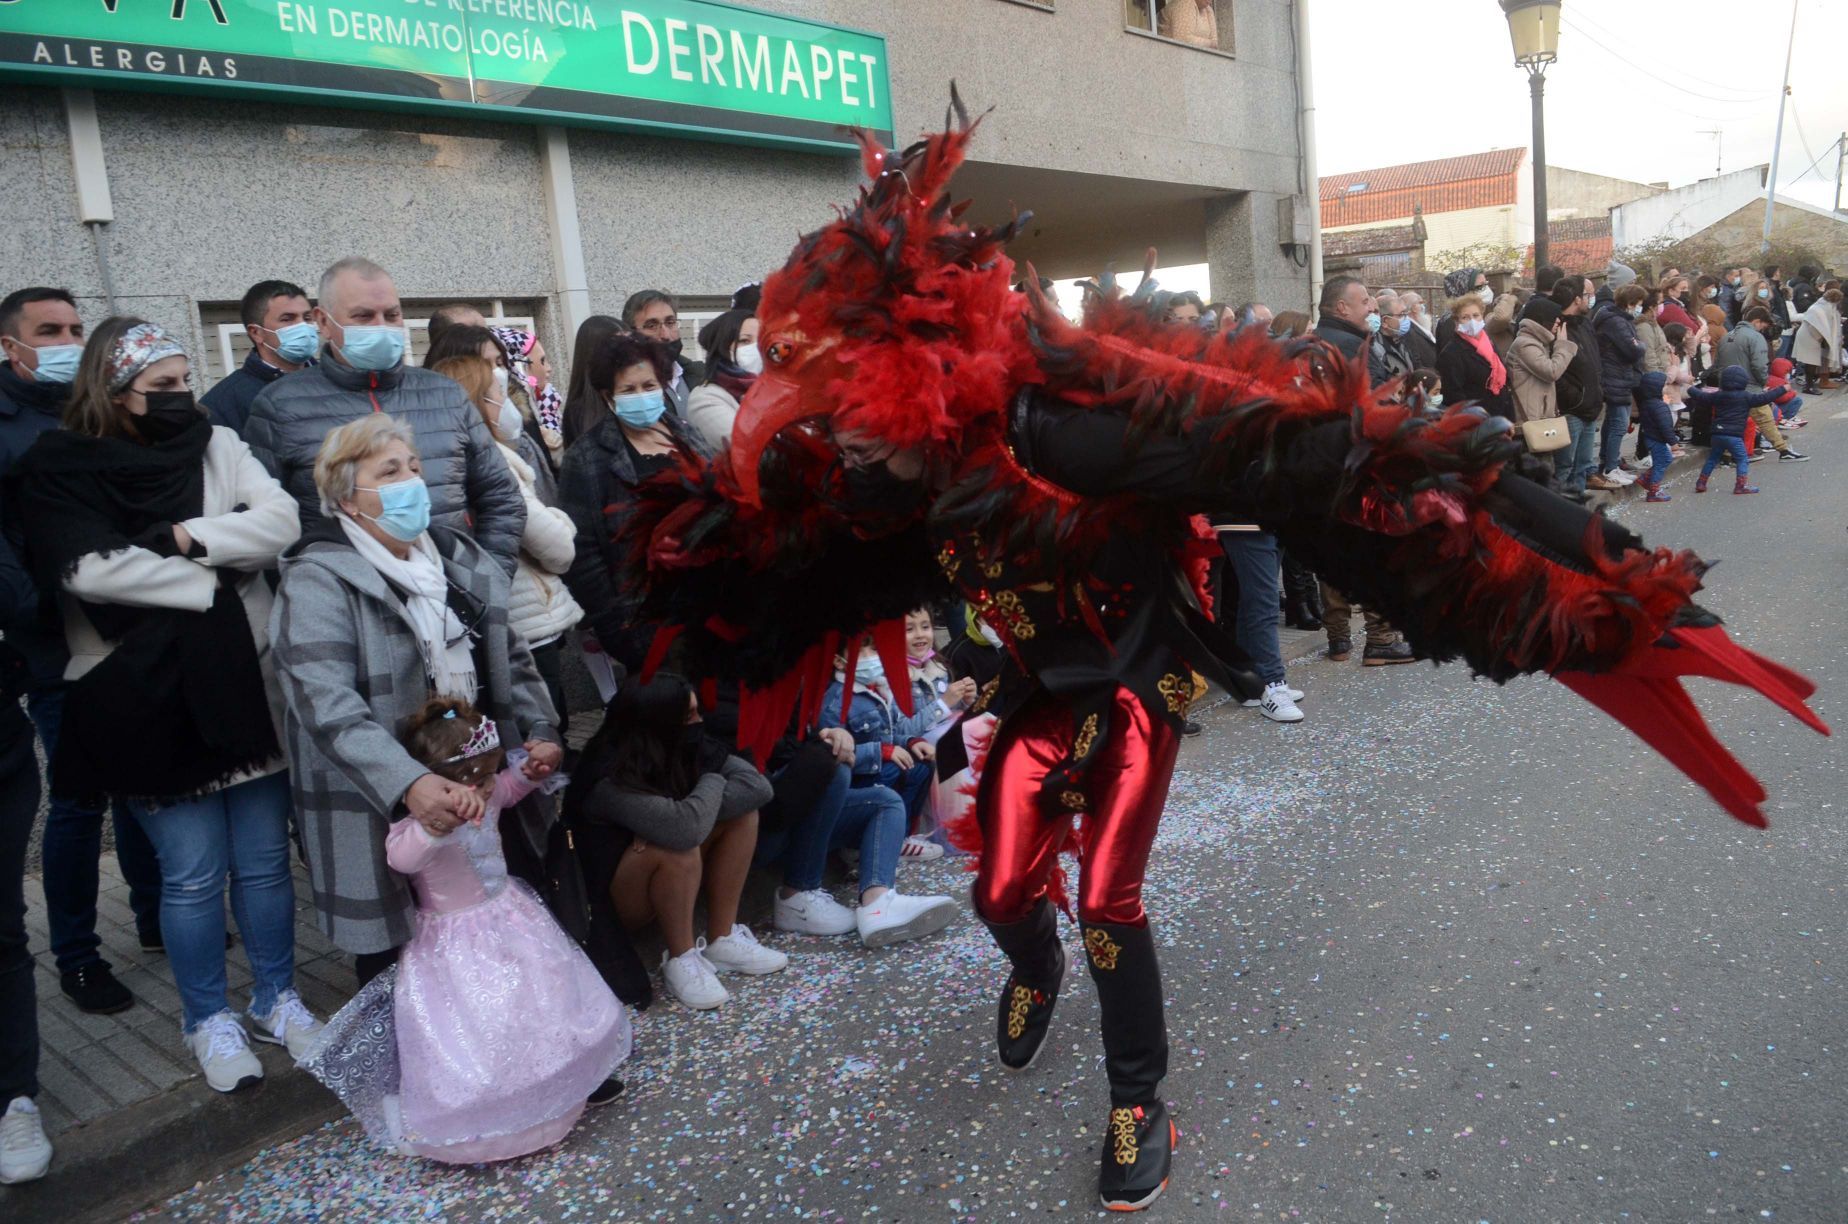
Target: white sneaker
(290,1024)
(1296,694)
(25,1153)
(1619,476)
(1278,706)
(223,1051)
(894,917)
(739,952)
(919,849)
(691,979)
(813,913)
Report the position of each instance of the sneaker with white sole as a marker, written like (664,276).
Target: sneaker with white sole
(289,1024)
(1277,705)
(894,917)
(813,913)
(223,1050)
(920,849)
(1620,477)
(25,1153)
(739,952)
(1253,703)
(690,978)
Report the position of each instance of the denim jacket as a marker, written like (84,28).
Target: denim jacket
(875,722)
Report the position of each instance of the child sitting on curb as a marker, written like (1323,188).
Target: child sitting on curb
(1790,403)
(890,748)
(1732,406)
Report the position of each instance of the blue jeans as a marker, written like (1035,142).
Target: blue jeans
(1254,559)
(1572,464)
(1788,343)
(241,832)
(1659,459)
(73,847)
(1787,412)
(1733,445)
(912,785)
(870,817)
(19,796)
(1616,425)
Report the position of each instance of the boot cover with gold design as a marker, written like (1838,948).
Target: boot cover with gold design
(1139,1146)
(1038,963)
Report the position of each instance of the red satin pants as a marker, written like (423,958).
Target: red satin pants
(1127,788)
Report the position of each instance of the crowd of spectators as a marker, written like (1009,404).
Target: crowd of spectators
(227,620)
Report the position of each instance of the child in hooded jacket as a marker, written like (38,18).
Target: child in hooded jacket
(1790,403)
(1658,429)
(1732,406)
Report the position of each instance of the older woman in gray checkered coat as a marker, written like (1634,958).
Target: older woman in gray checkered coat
(377,612)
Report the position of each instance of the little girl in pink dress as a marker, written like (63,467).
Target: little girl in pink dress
(493,1030)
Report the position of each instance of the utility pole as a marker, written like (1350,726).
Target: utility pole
(1777,145)
(1841,154)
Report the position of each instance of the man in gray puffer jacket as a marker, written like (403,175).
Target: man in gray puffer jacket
(363,370)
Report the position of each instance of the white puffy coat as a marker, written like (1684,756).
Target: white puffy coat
(540,607)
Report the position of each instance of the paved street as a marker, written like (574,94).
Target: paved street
(1442,952)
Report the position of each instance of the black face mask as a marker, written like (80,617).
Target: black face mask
(168,415)
(673,349)
(875,493)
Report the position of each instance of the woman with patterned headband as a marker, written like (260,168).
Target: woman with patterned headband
(152,529)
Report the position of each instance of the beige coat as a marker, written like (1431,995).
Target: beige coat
(1819,336)
(1536,359)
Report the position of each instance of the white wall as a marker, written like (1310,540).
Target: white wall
(1686,210)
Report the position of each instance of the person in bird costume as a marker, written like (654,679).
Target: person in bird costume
(922,428)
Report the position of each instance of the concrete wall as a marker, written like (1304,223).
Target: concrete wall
(1502,225)
(213,194)
(1579,193)
(1685,210)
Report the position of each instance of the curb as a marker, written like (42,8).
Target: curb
(139,1155)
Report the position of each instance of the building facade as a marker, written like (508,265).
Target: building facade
(510,153)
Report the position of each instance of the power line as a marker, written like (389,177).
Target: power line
(1792,181)
(1622,59)
(1576,16)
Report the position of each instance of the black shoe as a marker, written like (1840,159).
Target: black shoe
(1024,1016)
(1392,652)
(1338,652)
(1791,456)
(94,989)
(1190,727)
(605,1092)
(1138,1151)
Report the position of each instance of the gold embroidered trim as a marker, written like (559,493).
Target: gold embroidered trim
(948,561)
(1178,691)
(987,695)
(1074,800)
(1123,1135)
(1021,999)
(1102,949)
(1087,735)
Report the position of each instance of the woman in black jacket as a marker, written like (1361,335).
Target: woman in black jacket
(637,438)
(1472,371)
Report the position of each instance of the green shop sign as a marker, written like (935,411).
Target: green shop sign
(690,67)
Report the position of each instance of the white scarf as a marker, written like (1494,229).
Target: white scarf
(419,578)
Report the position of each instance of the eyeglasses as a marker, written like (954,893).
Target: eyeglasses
(653,325)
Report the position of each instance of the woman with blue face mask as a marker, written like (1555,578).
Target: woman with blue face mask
(639,436)
(377,612)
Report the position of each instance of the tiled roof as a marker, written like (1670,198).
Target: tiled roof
(1448,184)
(1577,244)
(1579,227)
(1370,241)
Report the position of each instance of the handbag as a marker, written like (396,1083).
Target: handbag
(1546,434)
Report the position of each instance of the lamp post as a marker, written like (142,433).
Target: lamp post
(1534,26)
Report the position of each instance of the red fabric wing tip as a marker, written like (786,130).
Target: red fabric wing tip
(1721,658)
(1662,716)
(657,650)
(889,640)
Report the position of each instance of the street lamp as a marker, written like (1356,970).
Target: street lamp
(1534,26)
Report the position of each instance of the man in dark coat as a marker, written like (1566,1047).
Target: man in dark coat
(41,337)
(282,341)
(1580,389)
(1344,311)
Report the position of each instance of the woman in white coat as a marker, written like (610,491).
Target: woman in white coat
(1818,348)
(152,530)
(541,609)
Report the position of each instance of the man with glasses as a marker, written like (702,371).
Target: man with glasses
(1387,355)
(655,314)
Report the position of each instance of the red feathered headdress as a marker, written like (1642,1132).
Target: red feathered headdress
(897,323)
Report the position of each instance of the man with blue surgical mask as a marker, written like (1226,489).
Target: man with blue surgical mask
(1387,355)
(283,339)
(41,339)
(360,325)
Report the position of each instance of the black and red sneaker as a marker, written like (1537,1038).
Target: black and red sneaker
(1024,1016)
(1139,1147)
